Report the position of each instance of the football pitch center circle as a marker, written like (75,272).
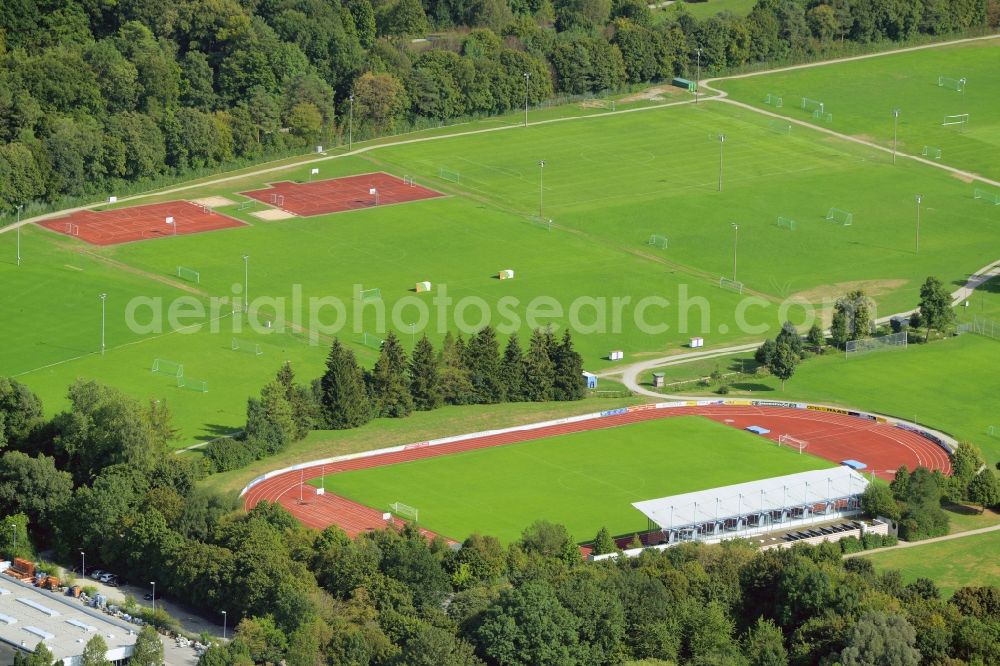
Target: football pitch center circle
(834,434)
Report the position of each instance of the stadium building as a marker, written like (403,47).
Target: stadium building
(757,507)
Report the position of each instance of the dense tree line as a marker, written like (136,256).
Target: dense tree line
(98,95)
(461,372)
(305,596)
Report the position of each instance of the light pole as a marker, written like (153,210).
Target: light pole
(83,564)
(697,80)
(919,199)
(104,298)
(224,618)
(350,127)
(17,230)
(736,242)
(526,77)
(722,142)
(246,283)
(153,583)
(895,117)
(541,170)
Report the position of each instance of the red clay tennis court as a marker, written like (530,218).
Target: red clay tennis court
(340,194)
(125,225)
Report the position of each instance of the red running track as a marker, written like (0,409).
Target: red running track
(124,225)
(340,194)
(830,435)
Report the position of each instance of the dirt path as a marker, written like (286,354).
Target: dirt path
(914,544)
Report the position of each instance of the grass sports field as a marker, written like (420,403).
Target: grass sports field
(571,479)
(950,564)
(609,183)
(862,94)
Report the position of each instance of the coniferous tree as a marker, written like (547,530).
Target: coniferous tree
(299,399)
(482,357)
(512,370)
(389,386)
(569,383)
(425,383)
(456,387)
(343,397)
(539,372)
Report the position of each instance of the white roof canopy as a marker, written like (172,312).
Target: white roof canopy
(754,497)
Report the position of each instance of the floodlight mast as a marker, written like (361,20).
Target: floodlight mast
(895,118)
(541,188)
(17,230)
(722,142)
(526,77)
(920,198)
(697,82)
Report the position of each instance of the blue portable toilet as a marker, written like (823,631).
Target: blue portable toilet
(591,379)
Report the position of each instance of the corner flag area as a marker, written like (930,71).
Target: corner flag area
(125,225)
(341,194)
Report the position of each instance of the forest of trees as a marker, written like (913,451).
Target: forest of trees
(348,396)
(96,96)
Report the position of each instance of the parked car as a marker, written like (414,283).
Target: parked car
(112,581)
(97,573)
(148,596)
(106,577)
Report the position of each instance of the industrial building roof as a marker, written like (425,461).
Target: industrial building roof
(29,615)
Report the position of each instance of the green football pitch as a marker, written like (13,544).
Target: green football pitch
(862,94)
(950,564)
(610,182)
(583,480)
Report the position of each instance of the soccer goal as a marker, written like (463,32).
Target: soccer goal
(993,431)
(786,223)
(246,204)
(543,222)
(890,342)
(163,366)
(450,176)
(840,216)
(371,340)
(931,151)
(731,285)
(779,126)
(812,105)
(191,384)
(409,180)
(961,119)
(189,274)
(404,511)
(72,229)
(987,195)
(374,294)
(278,199)
(246,347)
(793,442)
(659,242)
(774,100)
(823,116)
(957,85)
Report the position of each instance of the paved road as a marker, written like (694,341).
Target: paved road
(914,544)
